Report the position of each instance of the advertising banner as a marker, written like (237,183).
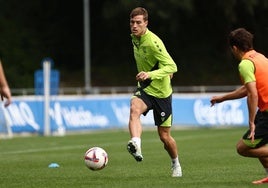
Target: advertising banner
(77,113)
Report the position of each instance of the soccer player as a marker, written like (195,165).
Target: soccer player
(4,88)
(154,91)
(253,70)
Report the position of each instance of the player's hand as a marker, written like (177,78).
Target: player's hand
(215,99)
(141,76)
(252,132)
(6,94)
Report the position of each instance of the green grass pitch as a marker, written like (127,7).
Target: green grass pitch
(207,155)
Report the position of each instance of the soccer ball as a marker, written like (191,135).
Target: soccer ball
(96,158)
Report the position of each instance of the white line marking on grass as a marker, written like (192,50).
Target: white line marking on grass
(61,148)
(42,150)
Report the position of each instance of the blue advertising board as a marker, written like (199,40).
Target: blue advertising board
(76,113)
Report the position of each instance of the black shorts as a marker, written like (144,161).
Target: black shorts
(162,108)
(261,131)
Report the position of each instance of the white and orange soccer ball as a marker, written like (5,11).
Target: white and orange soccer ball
(96,158)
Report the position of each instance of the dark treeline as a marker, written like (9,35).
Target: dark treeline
(194,32)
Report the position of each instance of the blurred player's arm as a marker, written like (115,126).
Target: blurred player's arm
(236,94)
(4,88)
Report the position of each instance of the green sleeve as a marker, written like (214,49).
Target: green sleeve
(246,69)
(166,64)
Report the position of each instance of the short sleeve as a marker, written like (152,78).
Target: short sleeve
(246,69)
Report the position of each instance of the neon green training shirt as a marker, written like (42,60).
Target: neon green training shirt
(152,57)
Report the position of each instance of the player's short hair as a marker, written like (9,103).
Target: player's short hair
(139,11)
(242,39)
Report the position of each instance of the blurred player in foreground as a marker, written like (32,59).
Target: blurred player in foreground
(253,70)
(154,92)
(4,88)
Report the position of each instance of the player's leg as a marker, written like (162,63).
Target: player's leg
(162,109)
(258,148)
(137,107)
(261,153)
(247,151)
(264,162)
(168,141)
(171,147)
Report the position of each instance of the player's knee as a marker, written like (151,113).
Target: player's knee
(241,150)
(165,138)
(164,135)
(134,110)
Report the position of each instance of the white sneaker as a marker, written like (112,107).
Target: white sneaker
(176,171)
(134,150)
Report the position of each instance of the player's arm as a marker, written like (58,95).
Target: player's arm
(246,70)
(236,94)
(252,101)
(166,67)
(4,88)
